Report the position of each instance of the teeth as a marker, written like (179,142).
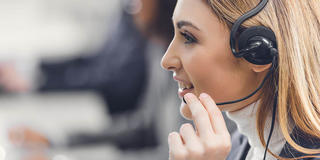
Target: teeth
(189,86)
(185,86)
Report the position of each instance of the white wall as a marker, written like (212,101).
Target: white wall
(33,28)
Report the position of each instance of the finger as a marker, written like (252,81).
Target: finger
(216,117)
(177,150)
(192,141)
(200,116)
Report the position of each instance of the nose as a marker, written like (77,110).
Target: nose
(170,61)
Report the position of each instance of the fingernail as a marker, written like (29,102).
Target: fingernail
(189,97)
(170,136)
(204,95)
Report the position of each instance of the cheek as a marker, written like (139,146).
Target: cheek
(202,77)
(214,73)
(204,70)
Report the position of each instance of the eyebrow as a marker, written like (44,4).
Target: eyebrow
(180,24)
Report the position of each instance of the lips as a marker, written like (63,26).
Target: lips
(183,92)
(184,87)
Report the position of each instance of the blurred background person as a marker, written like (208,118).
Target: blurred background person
(125,72)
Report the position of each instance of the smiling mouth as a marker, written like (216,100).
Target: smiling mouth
(184,86)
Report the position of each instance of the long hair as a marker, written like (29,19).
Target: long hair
(296,24)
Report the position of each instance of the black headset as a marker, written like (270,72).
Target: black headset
(258,45)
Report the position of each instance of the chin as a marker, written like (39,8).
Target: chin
(186,113)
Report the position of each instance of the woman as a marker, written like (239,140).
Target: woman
(201,59)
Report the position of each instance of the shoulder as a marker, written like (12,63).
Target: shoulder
(240,146)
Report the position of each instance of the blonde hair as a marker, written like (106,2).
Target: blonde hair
(296,24)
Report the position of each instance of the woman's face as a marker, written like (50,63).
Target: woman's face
(201,60)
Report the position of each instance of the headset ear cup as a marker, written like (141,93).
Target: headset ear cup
(263,55)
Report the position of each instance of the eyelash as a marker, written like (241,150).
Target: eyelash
(189,38)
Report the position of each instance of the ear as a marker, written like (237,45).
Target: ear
(259,68)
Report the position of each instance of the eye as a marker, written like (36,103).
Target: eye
(188,37)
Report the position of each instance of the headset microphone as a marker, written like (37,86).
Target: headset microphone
(250,95)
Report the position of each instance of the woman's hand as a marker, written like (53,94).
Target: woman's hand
(11,80)
(210,141)
(28,138)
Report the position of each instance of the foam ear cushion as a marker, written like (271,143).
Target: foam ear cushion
(263,55)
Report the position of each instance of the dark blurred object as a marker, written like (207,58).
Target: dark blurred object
(158,22)
(118,71)
(133,139)
(121,73)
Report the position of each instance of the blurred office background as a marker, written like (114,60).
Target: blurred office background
(37,31)
(82,80)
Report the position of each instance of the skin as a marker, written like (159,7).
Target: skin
(200,54)
(10,80)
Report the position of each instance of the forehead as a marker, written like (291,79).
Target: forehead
(197,12)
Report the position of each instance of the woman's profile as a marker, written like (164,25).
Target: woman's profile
(259,61)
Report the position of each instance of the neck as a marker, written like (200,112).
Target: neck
(245,119)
